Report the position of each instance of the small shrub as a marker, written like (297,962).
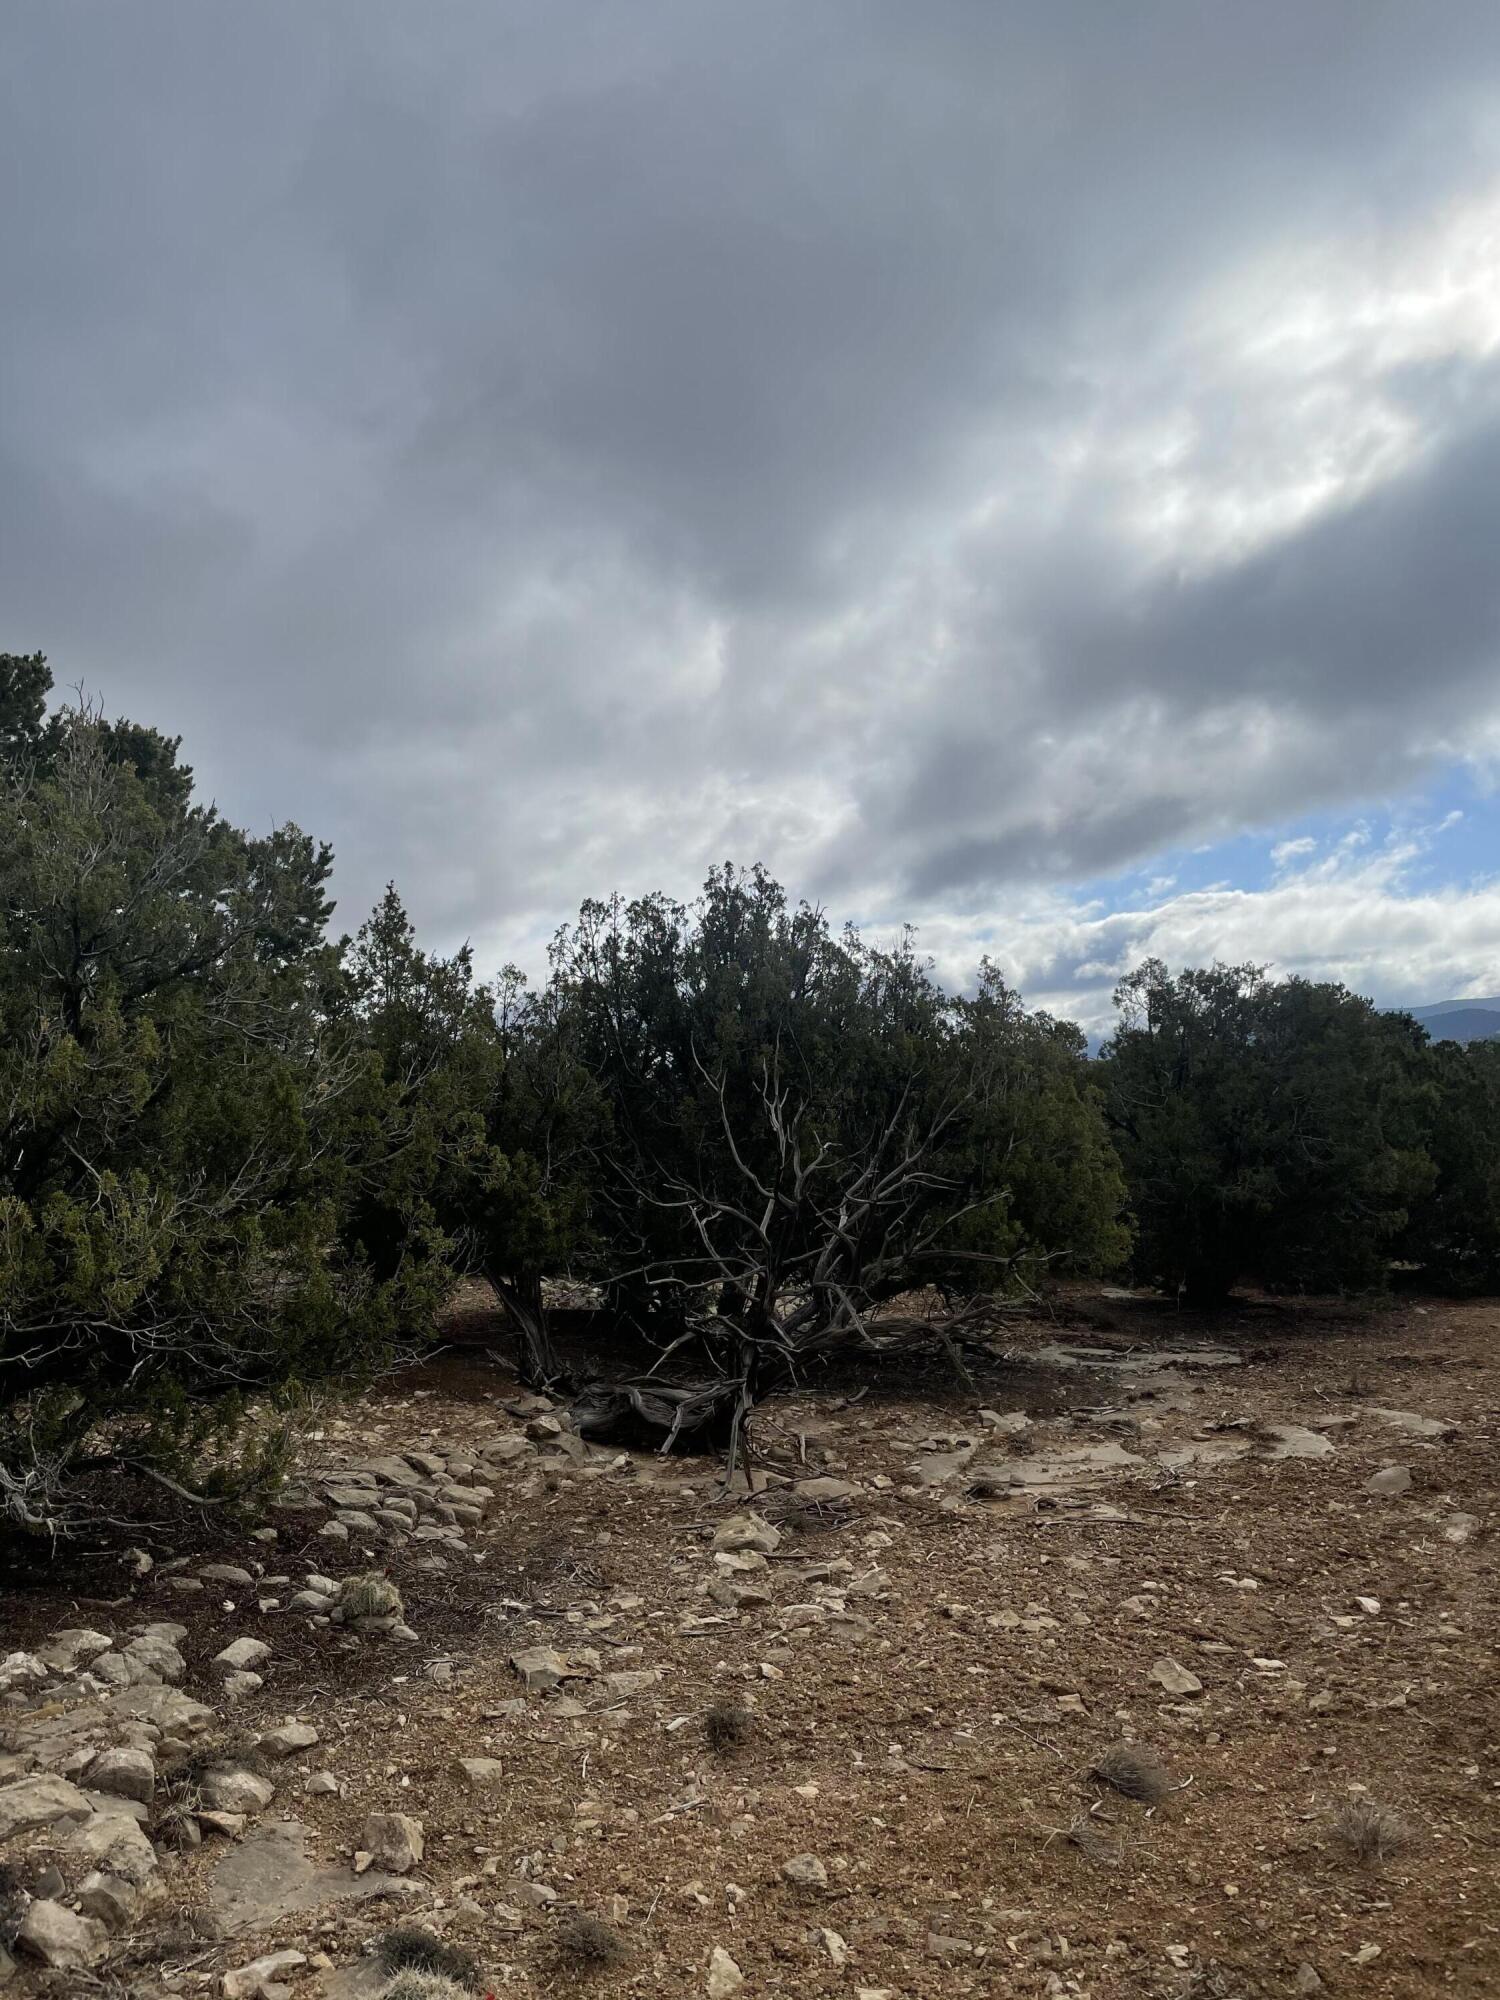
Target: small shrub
(407,1949)
(178,1804)
(1134,1772)
(1082,1835)
(583,1944)
(1370,1832)
(412,1985)
(727,1726)
(370,1596)
(236,1750)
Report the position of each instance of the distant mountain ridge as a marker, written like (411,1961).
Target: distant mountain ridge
(1459,1020)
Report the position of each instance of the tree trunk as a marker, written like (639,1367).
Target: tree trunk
(522,1299)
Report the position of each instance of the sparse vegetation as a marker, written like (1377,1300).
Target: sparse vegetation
(179,1800)
(415,1985)
(1370,1832)
(1134,1772)
(727,1727)
(234,1750)
(585,1944)
(370,1595)
(409,1949)
(242,1157)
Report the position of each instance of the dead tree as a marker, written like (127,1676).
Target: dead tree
(796,1246)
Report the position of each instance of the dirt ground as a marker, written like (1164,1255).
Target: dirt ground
(939,1659)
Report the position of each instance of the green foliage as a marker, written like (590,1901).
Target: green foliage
(476,1146)
(1270,1130)
(1454,1231)
(178,1117)
(808,1123)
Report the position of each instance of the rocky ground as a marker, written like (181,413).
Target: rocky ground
(850,1733)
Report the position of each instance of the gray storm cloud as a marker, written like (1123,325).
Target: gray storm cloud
(943,451)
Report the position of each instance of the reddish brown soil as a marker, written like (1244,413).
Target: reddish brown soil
(938,1764)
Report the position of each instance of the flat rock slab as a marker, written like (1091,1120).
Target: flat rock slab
(1297,1441)
(1135,1360)
(361,1981)
(270,1875)
(1065,1468)
(1409,1421)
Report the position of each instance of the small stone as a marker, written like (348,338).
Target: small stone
(632,1683)
(66,1651)
(824,1489)
(394,1841)
(1176,1679)
(227,1573)
(128,1774)
(236,1791)
(724,1976)
(747,1531)
(109,1899)
(482,1773)
(321,1784)
(240,1654)
(21,1670)
(532,1895)
(228,1825)
(288,1739)
(154,1657)
(237,1686)
(806,1871)
(1389,1481)
(948,1949)
(250,1981)
(59,1938)
(540,1668)
(393,1471)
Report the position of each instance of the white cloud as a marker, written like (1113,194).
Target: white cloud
(1359,917)
(1292,850)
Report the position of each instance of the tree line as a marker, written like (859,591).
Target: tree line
(240,1154)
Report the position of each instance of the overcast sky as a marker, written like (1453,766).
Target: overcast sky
(1029,470)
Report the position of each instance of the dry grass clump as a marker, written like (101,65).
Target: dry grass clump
(235,1750)
(370,1595)
(413,1985)
(584,1944)
(178,1804)
(1082,1835)
(410,1949)
(1134,1772)
(1371,1832)
(179,1798)
(727,1726)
